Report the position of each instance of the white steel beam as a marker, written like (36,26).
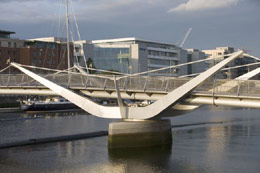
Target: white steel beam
(147,112)
(82,102)
(176,95)
(224,101)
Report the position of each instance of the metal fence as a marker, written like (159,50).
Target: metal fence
(137,83)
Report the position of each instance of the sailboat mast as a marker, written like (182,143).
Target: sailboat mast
(67,28)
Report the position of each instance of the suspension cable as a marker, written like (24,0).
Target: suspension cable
(79,36)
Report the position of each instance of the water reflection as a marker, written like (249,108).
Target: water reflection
(149,159)
(232,146)
(52,114)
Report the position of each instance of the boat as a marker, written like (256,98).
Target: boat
(49,104)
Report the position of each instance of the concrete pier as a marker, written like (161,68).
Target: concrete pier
(145,133)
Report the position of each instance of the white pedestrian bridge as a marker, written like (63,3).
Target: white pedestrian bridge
(168,96)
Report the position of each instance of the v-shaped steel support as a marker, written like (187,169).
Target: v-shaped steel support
(147,112)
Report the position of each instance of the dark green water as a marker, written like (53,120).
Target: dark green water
(230,144)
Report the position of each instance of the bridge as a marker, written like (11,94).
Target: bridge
(168,96)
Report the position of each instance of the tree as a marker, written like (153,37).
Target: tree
(90,64)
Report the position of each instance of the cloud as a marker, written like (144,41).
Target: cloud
(28,11)
(200,5)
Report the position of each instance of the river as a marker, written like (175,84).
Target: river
(213,139)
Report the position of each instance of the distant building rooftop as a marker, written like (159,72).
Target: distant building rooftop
(129,40)
(193,50)
(5,34)
(49,39)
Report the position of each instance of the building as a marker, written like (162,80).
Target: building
(9,48)
(223,52)
(219,53)
(49,52)
(131,55)
(195,55)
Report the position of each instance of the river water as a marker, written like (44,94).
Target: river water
(216,139)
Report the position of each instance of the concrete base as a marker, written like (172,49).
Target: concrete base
(145,133)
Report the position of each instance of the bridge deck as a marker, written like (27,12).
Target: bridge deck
(141,84)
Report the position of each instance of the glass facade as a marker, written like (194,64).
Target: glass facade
(167,71)
(116,59)
(160,53)
(162,62)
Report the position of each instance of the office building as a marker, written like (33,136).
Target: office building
(196,55)
(223,52)
(132,55)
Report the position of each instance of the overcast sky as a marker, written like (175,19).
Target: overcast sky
(234,23)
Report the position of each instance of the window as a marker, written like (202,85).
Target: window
(15,45)
(156,53)
(159,62)
(117,59)
(76,49)
(9,44)
(34,53)
(0,52)
(40,61)
(9,52)
(171,54)
(34,60)
(163,53)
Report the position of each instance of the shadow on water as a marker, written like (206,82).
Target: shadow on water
(145,159)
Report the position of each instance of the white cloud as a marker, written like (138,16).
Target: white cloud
(199,5)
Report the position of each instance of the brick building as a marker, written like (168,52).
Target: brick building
(45,52)
(9,48)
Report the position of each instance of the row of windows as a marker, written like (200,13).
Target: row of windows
(9,52)
(159,53)
(160,46)
(40,62)
(10,44)
(117,59)
(40,53)
(109,52)
(45,45)
(162,62)
(167,71)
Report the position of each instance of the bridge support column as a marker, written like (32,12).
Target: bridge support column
(144,133)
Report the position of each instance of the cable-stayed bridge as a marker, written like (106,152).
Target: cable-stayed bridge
(168,96)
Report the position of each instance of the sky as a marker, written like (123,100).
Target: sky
(214,23)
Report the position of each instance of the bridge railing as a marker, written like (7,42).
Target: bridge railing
(142,83)
(137,83)
(230,87)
